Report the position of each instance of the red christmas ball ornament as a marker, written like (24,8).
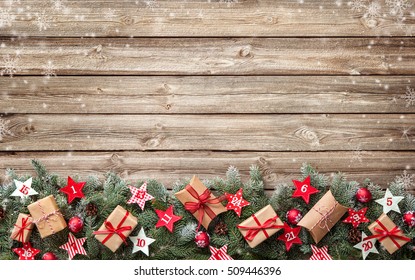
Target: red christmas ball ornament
(49,256)
(363,195)
(409,218)
(202,239)
(75,224)
(293,216)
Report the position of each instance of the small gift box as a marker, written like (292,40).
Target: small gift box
(197,199)
(260,226)
(22,228)
(116,228)
(47,216)
(323,216)
(385,230)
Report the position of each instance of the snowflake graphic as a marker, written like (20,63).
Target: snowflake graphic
(406,133)
(398,7)
(151,4)
(4,128)
(49,69)
(58,5)
(10,65)
(409,96)
(43,21)
(229,3)
(373,10)
(357,155)
(357,5)
(109,14)
(407,180)
(6,18)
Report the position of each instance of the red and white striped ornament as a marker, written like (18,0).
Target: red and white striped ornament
(219,254)
(320,254)
(74,246)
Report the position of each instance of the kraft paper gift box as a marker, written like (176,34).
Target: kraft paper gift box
(22,228)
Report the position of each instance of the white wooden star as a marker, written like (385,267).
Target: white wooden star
(367,246)
(141,242)
(24,189)
(390,202)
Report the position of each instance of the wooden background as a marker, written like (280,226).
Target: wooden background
(168,89)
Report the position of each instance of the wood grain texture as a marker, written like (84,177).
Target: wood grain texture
(168,167)
(183,18)
(280,132)
(212,56)
(205,95)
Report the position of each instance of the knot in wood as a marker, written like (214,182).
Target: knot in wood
(245,51)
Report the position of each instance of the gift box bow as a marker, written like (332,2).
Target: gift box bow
(20,233)
(111,230)
(325,216)
(393,234)
(46,218)
(254,230)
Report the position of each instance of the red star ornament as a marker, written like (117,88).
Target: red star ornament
(236,202)
(356,217)
(320,254)
(220,254)
(167,218)
(74,246)
(290,236)
(139,195)
(27,252)
(73,189)
(304,189)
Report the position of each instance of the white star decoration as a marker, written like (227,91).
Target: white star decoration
(390,202)
(367,246)
(141,242)
(23,189)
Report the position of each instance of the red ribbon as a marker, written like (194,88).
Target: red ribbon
(20,233)
(384,233)
(254,230)
(201,205)
(111,230)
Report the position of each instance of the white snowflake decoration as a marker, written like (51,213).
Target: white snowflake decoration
(357,155)
(373,10)
(357,5)
(151,4)
(409,96)
(58,5)
(6,18)
(398,7)
(42,21)
(49,70)
(407,180)
(10,65)
(4,128)
(229,3)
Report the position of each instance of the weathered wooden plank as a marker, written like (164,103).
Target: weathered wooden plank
(209,56)
(258,132)
(78,18)
(168,167)
(206,94)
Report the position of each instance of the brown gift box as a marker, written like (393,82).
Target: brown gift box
(266,215)
(23,228)
(323,216)
(47,216)
(186,197)
(118,219)
(391,243)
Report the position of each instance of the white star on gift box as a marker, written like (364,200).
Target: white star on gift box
(390,202)
(367,246)
(141,242)
(24,189)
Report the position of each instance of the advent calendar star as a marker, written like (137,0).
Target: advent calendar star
(366,246)
(27,252)
(74,246)
(236,202)
(356,217)
(24,189)
(320,254)
(167,218)
(139,195)
(219,254)
(390,202)
(73,189)
(304,189)
(290,236)
(141,242)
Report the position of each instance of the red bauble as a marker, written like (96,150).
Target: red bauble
(75,224)
(202,239)
(363,195)
(49,256)
(294,216)
(409,218)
